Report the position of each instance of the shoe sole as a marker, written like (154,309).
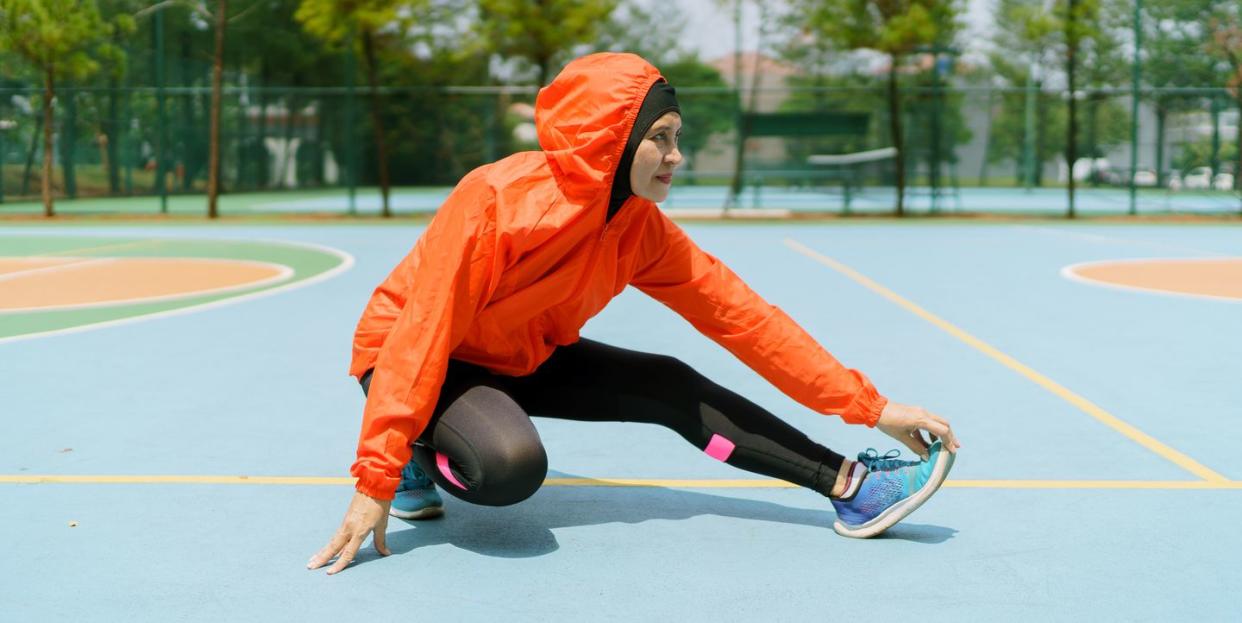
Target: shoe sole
(424,513)
(902,509)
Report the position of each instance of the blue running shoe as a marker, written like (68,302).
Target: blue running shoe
(416,497)
(891,490)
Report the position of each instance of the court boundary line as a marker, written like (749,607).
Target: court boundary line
(65,479)
(347,262)
(1095,411)
(77,263)
(1069,272)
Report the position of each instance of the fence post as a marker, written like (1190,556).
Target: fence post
(1136,74)
(1028,145)
(68,141)
(1216,135)
(351,147)
(161,141)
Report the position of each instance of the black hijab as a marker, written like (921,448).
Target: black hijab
(661,98)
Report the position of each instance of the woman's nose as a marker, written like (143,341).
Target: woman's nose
(673,157)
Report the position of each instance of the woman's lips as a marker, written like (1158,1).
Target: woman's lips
(667,179)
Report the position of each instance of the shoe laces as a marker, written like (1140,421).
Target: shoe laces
(876,462)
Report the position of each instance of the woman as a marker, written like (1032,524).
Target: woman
(477,329)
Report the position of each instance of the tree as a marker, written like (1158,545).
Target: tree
(540,32)
(896,28)
(1225,43)
(374,23)
(116,65)
(59,38)
(1174,38)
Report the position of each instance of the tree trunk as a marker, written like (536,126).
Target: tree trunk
(1071,139)
(1093,122)
(368,49)
(1041,139)
(262,162)
(292,104)
(1162,115)
(112,139)
(68,140)
(49,91)
(1237,148)
(894,127)
(30,155)
(544,69)
(217,70)
(189,157)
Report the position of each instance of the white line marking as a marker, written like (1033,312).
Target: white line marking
(78,263)
(347,262)
(282,273)
(1115,240)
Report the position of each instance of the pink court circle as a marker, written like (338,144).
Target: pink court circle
(1214,278)
(57,283)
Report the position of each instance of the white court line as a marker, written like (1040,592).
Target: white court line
(347,262)
(47,269)
(1069,272)
(283,273)
(1125,241)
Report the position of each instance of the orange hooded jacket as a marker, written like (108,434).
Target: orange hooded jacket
(519,257)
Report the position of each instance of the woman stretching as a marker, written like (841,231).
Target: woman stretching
(476,330)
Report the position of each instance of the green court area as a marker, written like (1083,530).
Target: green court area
(296,264)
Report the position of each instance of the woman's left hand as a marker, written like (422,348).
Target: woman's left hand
(905,423)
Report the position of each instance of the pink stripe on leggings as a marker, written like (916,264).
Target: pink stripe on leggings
(719,448)
(442,463)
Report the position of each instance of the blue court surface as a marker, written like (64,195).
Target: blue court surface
(184,466)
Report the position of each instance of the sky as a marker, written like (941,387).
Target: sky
(710,27)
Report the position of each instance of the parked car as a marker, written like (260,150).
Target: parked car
(1174,180)
(1144,177)
(1198,178)
(1223,181)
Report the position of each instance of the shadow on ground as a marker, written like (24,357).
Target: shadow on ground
(526,529)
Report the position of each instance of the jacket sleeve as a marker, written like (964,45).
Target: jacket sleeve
(699,287)
(449,272)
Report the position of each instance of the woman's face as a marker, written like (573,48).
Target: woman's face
(651,174)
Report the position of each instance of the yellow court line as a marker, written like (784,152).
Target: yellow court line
(1088,407)
(611,482)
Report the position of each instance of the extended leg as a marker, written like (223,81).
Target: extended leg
(591,381)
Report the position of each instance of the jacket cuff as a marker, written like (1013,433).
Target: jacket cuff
(866,407)
(375,483)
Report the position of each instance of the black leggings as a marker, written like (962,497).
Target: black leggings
(481,446)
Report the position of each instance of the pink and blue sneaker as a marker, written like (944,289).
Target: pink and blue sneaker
(890,490)
(416,497)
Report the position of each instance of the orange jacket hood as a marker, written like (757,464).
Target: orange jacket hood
(584,118)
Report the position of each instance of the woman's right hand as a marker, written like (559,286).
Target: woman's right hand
(366,515)
(905,423)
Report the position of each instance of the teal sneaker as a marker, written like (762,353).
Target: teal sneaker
(891,490)
(416,497)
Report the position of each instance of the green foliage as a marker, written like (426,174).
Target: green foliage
(1199,154)
(540,32)
(654,33)
(60,38)
(1224,26)
(335,22)
(894,27)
